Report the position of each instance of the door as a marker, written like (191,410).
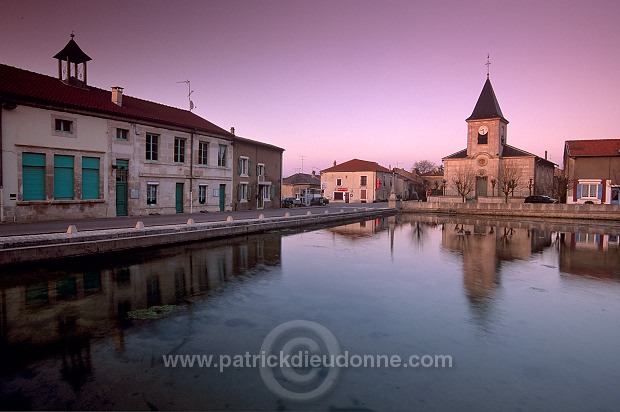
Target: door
(363,195)
(615,191)
(179,198)
(122,174)
(261,197)
(481,186)
(222,198)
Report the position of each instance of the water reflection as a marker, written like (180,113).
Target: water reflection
(492,293)
(60,311)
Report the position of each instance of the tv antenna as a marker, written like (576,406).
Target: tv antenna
(189,94)
(302,162)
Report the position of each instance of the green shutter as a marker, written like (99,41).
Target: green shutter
(33,175)
(90,178)
(239,192)
(273,192)
(63,177)
(239,166)
(249,192)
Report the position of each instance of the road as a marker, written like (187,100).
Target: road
(119,222)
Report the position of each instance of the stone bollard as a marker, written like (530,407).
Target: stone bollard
(139,224)
(190,221)
(308,213)
(287,214)
(341,210)
(261,217)
(326,212)
(229,219)
(355,210)
(72,230)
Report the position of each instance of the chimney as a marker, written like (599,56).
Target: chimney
(232,130)
(545,155)
(334,163)
(117,95)
(313,173)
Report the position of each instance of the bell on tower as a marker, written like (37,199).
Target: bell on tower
(72,64)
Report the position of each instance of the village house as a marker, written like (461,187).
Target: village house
(489,166)
(300,183)
(73,150)
(357,181)
(592,171)
(258,176)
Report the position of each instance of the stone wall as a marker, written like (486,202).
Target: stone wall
(564,211)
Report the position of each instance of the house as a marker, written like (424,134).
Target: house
(489,166)
(258,176)
(73,150)
(407,185)
(357,181)
(299,184)
(592,171)
(433,181)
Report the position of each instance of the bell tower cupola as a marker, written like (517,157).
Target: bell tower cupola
(72,64)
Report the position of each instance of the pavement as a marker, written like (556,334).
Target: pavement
(121,222)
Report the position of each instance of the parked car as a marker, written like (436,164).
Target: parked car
(319,201)
(540,199)
(290,202)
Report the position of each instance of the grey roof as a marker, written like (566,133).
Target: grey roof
(302,179)
(461,154)
(487,106)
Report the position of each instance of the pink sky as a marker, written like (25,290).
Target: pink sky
(388,81)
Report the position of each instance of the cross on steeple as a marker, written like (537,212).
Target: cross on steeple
(488,63)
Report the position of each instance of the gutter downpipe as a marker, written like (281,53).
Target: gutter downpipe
(191,173)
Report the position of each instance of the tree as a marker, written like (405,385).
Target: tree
(464,181)
(425,166)
(509,178)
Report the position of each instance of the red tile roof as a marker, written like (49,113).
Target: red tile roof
(588,148)
(24,87)
(357,165)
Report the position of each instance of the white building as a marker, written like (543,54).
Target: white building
(73,150)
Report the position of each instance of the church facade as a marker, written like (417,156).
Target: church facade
(489,166)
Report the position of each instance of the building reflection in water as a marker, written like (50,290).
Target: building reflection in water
(58,311)
(590,254)
(363,229)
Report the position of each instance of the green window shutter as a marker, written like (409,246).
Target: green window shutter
(249,168)
(265,170)
(249,192)
(33,175)
(90,178)
(239,166)
(63,177)
(273,192)
(239,192)
(600,191)
(578,191)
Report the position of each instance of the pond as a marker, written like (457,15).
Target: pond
(400,313)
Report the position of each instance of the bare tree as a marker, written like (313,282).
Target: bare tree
(464,181)
(509,178)
(425,166)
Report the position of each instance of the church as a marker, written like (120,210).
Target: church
(489,166)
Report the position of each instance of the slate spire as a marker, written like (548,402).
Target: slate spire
(487,106)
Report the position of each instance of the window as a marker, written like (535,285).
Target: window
(179,150)
(203,153)
(202,194)
(483,138)
(363,180)
(63,177)
(243,193)
(221,156)
(589,190)
(33,175)
(63,126)
(338,182)
(338,196)
(122,134)
(151,193)
(90,178)
(261,170)
(244,166)
(151,146)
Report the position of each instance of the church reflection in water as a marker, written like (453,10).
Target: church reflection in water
(57,312)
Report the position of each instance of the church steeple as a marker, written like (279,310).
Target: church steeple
(72,55)
(487,106)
